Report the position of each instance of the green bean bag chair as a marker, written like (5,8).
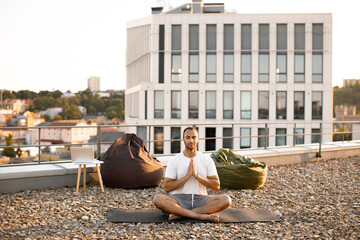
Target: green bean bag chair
(237,171)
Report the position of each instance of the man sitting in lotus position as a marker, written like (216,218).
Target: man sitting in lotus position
(187,176)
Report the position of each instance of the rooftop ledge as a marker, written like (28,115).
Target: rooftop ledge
(57,175)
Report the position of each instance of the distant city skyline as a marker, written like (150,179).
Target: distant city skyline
(49,44)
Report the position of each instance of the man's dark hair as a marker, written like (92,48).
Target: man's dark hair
(190,128)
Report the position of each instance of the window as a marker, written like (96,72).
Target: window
(229,37)
(299,136)
(194,37)
(300,37)
(228,67)
(159,140)
(245,52)
(315,135)
(263,67)
(228,105)
(245,36)
(245,105)
(317,68)
(281,67)
(175,135)
(175,104)
(299,57)
(159,104)
(281,37)
(210,144)
(161,52)
(263,138)
(211,37)
(176,37)
(176,53)
(299,62)
(299,105)
(318,37)
(141,132)
(263,105)
(211,67)
(193,68)
(246,67)
(264,37)
(193,104)
(211,104)
(194,53)
(281,105)
(175,67)
(245,140)
(227,142)
(316,105)
(228,53)
(280,137)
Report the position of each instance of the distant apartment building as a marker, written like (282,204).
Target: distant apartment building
(94,84)
(197,63)
(65,131)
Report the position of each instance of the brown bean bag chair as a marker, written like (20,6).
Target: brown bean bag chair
(128,164)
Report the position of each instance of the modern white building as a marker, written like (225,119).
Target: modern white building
(94,84)
(230,74)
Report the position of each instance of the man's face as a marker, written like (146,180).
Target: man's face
(191,139)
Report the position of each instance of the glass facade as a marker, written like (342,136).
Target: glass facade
(194,53)
(246,67)
(211,104)
(175,135)
(227,142)
(315,135)
(228,105)
(245,140)
(299,105)
(193,68)
(263,105)
(176,53)
(299,68)
(281,105)
(281,67)
(299,136)
(193,104)
(159,140)
(211,67)
(245,104)
(228,53)
(299,57)
(175,104)
(158,104)
(210,144)
(317,103)
(263,137)
(280,137)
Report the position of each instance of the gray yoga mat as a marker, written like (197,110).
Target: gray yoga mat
(232,215)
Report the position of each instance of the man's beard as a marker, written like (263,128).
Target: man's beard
(190,148)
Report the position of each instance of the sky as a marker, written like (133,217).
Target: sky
(59,44)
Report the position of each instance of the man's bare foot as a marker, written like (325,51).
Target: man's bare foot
(210,217)
(173,217)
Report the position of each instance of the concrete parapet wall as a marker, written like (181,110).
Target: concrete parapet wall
(57,175)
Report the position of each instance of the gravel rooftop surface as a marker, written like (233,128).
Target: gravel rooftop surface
(314,200)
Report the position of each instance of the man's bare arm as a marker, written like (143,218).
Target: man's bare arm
(173,184)
(211,182)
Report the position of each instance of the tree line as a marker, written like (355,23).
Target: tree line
(347,96)
(112,107)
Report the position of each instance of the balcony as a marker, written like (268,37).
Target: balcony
(43,174)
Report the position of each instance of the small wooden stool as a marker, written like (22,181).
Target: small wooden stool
(84,175)
(82,156)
